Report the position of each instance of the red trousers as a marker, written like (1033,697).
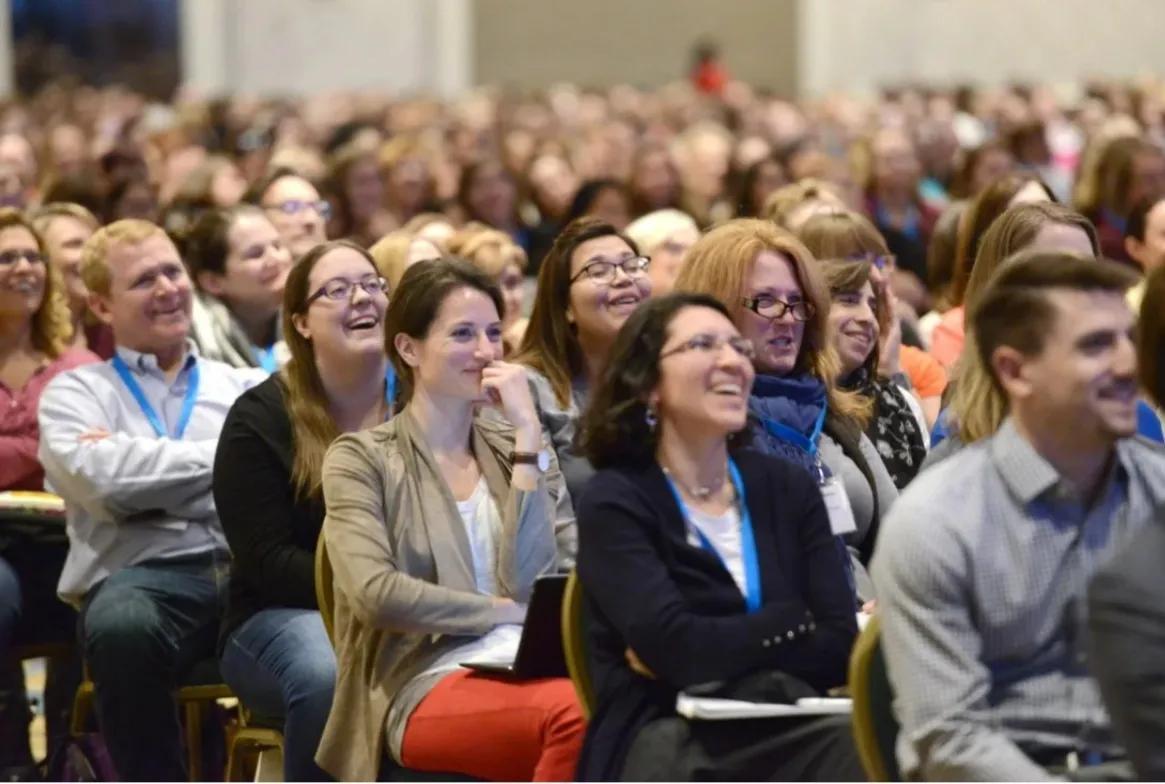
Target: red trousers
(496,729)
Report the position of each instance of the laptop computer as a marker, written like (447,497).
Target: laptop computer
(540,653)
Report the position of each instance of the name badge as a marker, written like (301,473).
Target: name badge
(841,514)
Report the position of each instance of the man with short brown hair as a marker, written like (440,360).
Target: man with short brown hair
(982,563)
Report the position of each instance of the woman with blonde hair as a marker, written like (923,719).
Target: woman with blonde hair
(398,250)
(504,261)
(977,407)
(664,236)
(274,651)
(36,335)
(432,226)
(35,346)
(778,299)
(792,205)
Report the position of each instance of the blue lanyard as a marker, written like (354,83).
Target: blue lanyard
(798,439)
(267,358)
(910,229)
(747,538)
(390,386)
(147,409)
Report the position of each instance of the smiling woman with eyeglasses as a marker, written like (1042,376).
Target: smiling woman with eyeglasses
(590,282)
(294,206)
(780,302)
(703,564)
(275,653)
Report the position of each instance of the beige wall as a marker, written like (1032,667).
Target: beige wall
(534,43)
(311,46)
(982,41)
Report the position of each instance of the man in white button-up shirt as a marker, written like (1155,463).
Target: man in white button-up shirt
(129,444)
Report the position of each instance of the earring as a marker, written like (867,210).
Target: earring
(651,419)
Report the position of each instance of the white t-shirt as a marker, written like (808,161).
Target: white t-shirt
(723,532)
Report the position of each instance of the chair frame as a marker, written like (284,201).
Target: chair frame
(870,751)
(574,644)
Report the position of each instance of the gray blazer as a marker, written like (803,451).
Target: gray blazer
(404,586)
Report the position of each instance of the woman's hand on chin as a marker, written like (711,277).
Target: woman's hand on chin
(504,386)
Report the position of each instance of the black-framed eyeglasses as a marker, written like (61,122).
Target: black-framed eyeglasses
(773,308)
(341,288)
(296,206)
(11,257)
(604,271)
(707,343)
(879,261)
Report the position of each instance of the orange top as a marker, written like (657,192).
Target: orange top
(926,375)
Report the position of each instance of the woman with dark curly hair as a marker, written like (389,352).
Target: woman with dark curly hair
(701,564)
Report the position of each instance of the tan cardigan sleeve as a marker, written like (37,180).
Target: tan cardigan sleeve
(528,541)
(363,560)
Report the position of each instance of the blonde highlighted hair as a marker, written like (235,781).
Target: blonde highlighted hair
(720,264)
(488,249)
(977,403)
(52,324)
(786,200)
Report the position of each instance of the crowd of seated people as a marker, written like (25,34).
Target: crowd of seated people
(755,372)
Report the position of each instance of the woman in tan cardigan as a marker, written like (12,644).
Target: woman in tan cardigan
(438,523)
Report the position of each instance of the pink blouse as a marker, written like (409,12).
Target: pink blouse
(19,434)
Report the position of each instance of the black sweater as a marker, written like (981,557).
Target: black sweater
(272,534)
(677,607)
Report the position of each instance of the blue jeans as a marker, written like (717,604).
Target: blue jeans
(280,663)
(10,603)
(144,627)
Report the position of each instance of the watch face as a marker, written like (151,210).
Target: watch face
(543,460)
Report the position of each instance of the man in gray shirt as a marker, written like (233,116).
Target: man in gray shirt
(129,444)
(982,564)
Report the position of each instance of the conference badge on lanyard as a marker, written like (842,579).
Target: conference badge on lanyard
(841,514)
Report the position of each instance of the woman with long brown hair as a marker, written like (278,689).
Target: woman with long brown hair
(779,300)
(867,337)
(274,651)
(591,281)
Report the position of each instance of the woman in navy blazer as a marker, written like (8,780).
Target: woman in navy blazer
(701,564)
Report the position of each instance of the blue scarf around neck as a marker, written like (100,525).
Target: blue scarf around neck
(794,401)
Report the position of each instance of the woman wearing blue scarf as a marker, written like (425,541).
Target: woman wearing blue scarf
(779,301)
